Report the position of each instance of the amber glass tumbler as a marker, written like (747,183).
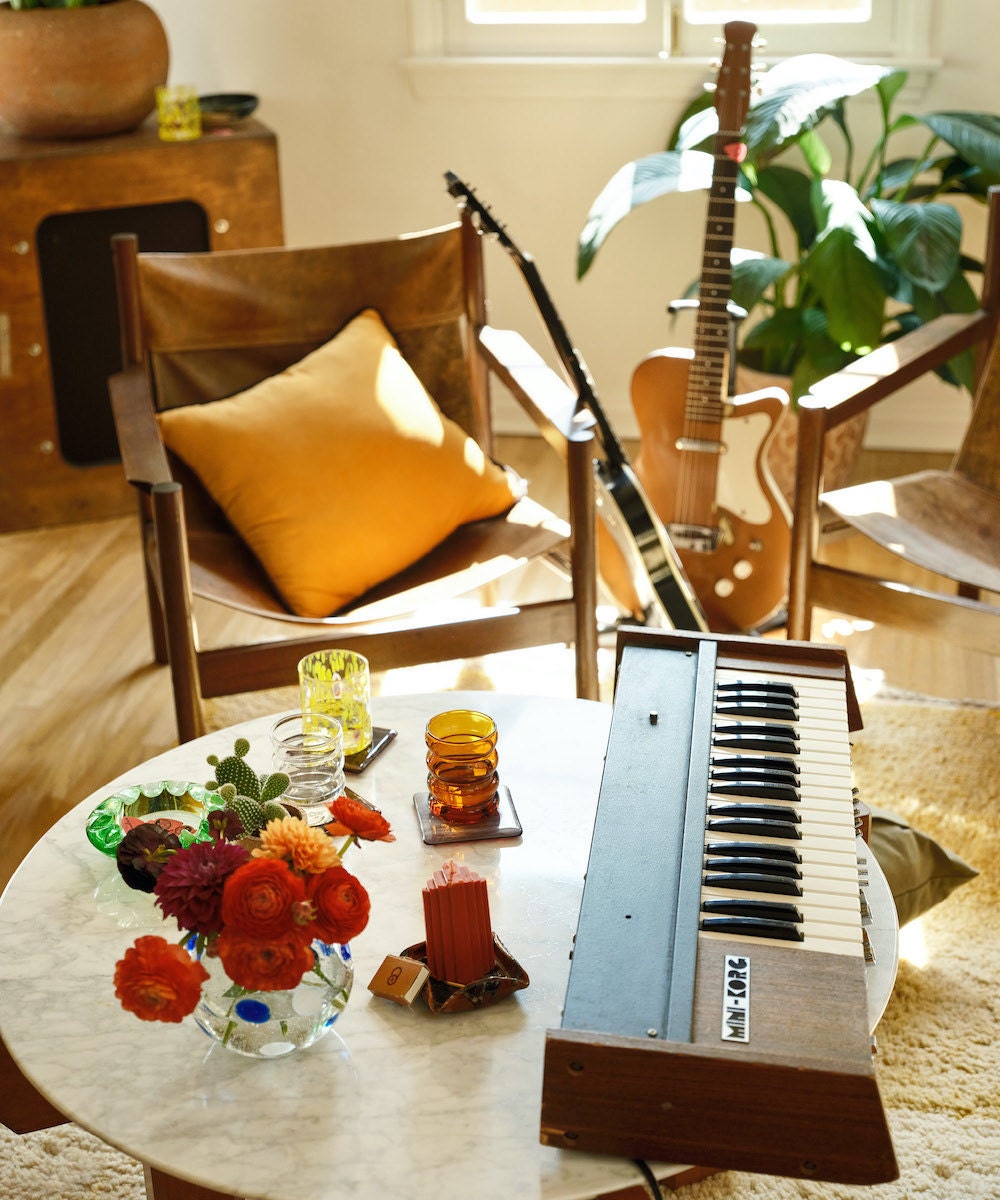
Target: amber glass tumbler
(462,766)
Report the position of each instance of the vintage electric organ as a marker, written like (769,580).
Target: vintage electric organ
(716,1011)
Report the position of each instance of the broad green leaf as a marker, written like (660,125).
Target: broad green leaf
(697,131)
(837,207)
(841,266)
(703,100)
(975,135)
(816,153)
(816,362)
(898,173)
(795,342)
(754,274)
(791,191)
(636,183)
(798,92)
(924,240)
(888,88)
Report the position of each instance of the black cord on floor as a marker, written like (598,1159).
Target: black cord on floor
(651,1181)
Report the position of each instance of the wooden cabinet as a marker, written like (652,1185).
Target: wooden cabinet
(59,337)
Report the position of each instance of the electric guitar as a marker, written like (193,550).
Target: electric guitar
(664,594)
(702,460)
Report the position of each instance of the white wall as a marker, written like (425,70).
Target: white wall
(363,152)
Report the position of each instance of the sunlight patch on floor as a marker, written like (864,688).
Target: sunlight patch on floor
(913,945)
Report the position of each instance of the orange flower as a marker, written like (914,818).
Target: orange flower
(263,899)
(306,847)
(341,904)
(265,965)
(353,817)
(158,981)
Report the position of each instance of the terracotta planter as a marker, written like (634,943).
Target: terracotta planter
(80,72)
(843,444)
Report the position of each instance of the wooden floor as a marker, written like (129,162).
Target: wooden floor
(81,700)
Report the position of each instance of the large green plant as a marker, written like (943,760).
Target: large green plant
(854,260)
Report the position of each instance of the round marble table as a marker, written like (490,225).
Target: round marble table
(394,1101)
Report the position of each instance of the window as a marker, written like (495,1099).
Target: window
(573,38)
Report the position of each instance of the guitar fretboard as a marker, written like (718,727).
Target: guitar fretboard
(707,379)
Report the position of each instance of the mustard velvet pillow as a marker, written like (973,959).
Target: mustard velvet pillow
(340,471)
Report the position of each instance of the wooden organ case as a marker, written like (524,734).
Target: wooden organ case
(716,1011)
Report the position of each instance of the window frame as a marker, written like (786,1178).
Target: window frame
(437,68)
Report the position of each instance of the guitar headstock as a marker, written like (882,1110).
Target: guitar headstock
(732,88)
(484,219)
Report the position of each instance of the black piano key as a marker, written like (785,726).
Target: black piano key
(776,885)
(755,762)
(754,827)
(753,866)
(754,850)
(752,927)
(741,785)
(776,739)
(774,910)
(753,707)
(773,687)
(761,812)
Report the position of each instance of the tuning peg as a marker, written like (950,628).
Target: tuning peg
(709,87)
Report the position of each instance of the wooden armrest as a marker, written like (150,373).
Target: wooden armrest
(541,392)
(893,365)
(143,455)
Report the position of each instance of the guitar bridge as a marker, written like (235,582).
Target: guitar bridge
(702,539)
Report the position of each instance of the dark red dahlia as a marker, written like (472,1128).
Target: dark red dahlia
(190,884)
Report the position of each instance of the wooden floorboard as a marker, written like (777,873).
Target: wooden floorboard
(81,700)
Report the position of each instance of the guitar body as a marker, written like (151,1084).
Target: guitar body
(740,572)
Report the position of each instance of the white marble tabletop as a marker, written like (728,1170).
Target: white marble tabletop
(394,1101)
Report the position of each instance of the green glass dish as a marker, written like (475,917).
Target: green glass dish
(180,807)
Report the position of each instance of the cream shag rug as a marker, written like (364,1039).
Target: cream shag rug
(935,765)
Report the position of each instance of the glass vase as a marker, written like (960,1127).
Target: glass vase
(269,1024)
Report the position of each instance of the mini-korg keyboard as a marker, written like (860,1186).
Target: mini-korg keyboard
(716,1011)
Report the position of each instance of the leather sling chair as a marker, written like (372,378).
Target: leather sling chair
(199,329)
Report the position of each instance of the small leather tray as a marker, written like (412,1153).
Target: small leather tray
(507,976)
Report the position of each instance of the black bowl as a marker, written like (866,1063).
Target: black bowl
(226,108)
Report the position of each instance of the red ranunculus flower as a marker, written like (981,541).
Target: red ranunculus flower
(263,899)
(189,886)
(353,817)
(159,981)
(341,905)
(265,965)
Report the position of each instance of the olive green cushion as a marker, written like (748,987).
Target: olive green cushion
(920,872)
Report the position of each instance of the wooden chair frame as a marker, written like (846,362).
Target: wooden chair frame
(172,558)
(959,614)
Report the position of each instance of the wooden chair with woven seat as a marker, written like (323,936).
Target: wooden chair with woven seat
(198,329)
(945,522)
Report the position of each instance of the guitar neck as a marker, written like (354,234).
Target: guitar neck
(571,358)
(707,382)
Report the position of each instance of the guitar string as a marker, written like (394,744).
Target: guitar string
(698,470)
